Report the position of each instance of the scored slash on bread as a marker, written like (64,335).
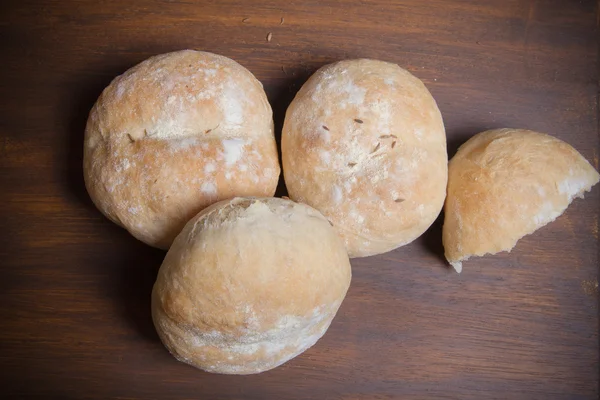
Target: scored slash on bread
(173,135)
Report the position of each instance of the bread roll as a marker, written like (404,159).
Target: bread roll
(364,143)
(249,284)
(504,184)
(174,134)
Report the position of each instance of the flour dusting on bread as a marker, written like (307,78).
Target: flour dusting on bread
(355,132)
(173,135)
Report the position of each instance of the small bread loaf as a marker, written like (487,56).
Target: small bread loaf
(504,184)
(249,284)
(364,143)
(174,134)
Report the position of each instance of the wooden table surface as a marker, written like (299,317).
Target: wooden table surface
(75,289)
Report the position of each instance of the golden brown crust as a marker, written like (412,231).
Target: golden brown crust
(364,143)
(504,184)
(173,135)
(248,284)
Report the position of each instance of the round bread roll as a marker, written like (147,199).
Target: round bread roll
(364,143)
(249,284)
(174,134)
(504,184)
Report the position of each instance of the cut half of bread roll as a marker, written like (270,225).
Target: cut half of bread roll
(504,184)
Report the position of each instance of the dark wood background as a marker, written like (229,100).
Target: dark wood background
(74,288)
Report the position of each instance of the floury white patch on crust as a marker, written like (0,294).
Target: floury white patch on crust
(364,143)
(173,135)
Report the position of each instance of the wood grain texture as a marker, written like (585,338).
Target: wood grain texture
(75,320)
